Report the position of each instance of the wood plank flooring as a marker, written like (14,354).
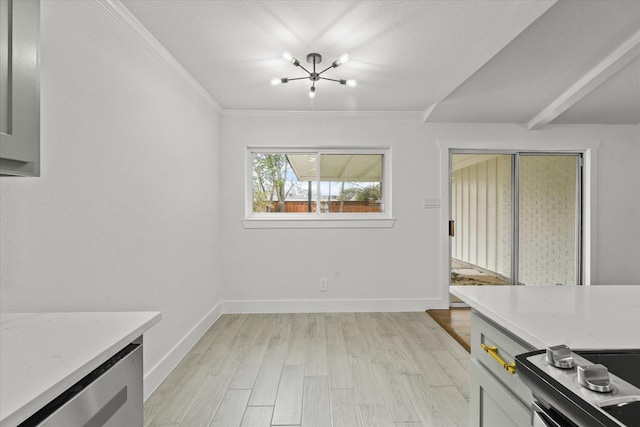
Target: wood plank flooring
(307,370)
(457,322)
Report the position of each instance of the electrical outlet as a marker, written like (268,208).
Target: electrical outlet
(324,285)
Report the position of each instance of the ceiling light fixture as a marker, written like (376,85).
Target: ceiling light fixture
(315,59)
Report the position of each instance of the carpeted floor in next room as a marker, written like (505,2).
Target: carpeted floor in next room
(457,322)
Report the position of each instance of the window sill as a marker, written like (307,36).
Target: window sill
(318,222)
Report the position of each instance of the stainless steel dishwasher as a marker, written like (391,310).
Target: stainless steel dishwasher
(110,396)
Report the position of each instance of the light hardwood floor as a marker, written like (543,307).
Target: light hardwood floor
(334,369)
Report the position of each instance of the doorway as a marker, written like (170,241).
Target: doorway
(516,218)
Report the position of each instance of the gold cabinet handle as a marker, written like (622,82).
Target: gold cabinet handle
(493,352)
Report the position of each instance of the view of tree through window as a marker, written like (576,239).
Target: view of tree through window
(315,182)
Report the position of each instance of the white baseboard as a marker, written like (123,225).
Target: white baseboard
(160,371)
(330,305)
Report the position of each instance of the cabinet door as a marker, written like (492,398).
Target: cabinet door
(19,88)
(493,405)
(483,331)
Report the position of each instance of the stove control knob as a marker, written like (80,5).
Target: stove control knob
(595,377)
(560,356)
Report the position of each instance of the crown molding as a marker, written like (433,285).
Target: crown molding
(149,42)
(413,115)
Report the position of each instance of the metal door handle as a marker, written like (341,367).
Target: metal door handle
(493,352)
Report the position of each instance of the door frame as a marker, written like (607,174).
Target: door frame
(589,151)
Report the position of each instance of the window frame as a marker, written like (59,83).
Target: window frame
(318,219)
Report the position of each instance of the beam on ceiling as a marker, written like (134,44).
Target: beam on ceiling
(615,61)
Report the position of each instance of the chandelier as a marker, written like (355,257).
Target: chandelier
(314,76)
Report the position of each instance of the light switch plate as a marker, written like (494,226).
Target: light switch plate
(430,203)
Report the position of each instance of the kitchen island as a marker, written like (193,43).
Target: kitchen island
(44,354)
(510,320)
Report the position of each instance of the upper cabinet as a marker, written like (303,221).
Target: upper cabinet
(19,87)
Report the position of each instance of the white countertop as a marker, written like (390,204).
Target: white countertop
(582,317)
(43,354)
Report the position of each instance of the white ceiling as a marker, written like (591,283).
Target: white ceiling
(529,62)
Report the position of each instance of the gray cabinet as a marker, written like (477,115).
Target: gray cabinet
(492,404)
(497,397)
(19,87)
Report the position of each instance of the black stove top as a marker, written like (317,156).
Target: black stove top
(624,364)
(591,397)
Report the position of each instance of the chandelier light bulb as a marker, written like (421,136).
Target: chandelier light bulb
(352,83)
(276,81)
(287,55)
(312,92)
(343,58)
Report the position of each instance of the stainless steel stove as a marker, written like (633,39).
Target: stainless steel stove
(585,388)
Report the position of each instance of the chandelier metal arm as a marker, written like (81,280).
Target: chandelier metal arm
(308,72)
(333,80)
(328,68)
(299,78)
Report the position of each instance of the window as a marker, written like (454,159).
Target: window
(302,185)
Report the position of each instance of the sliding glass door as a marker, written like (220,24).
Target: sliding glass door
(515,218)
(482,213)
(549,220)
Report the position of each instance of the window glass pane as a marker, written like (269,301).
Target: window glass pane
(481,207)
(284,183)
(351,183)
(547,220)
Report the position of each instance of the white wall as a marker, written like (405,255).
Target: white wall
(403,267)
(368,269)
(125,216)
(618,227)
